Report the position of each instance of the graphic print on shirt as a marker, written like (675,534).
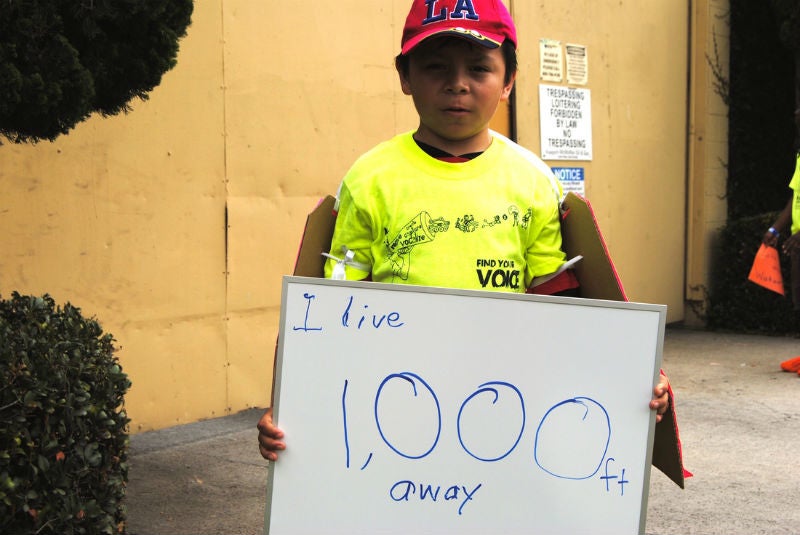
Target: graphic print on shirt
(420,230)
(423,229)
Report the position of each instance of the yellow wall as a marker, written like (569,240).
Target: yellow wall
(124,217)
(636,181)
(708,147)
(174,224)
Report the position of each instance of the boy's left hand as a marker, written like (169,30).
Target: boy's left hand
(660,401)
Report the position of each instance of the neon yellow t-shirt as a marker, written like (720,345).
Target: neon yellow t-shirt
(490,223)
(795,185)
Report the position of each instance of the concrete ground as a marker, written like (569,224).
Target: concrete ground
(739,417)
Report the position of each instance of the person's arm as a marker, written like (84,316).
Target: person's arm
(547,270)
(350,256)
(781,225)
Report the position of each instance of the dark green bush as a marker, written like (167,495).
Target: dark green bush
(63,428)
(736,304)
(62,61)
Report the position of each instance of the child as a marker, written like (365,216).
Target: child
(436,206)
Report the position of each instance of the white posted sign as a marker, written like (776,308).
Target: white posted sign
(551,62)
(431,411)
(565,123)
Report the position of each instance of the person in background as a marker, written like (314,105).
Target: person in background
(787,225)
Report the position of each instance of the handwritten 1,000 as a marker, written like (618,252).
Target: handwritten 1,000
(587,422)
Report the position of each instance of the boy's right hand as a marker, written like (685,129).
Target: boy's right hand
(269,437)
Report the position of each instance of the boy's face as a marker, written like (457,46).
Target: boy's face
(456,86)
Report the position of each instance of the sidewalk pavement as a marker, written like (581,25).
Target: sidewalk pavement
(739,417)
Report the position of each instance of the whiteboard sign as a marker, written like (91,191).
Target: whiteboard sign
(421,410)
(565,123)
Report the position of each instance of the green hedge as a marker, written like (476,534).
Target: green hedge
(63,429)
(736,304)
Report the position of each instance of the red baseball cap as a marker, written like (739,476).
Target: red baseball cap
(486,22)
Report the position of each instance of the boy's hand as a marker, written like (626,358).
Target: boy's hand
(269,437)
(660,401)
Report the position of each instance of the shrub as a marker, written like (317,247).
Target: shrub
(63,429)
(736,304)
(62,61)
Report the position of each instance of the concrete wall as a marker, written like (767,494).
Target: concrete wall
(174,224)
(708,147)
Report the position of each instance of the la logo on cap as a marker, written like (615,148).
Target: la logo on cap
(487,22)
(463,9)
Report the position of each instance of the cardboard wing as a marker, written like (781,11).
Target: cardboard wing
(599,280)
(581,236)
(596,273)
(316,240)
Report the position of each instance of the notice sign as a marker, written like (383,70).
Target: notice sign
(572,179)
(550,60)
(577,64)
(565,123)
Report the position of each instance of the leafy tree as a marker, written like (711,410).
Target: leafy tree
(62,60)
